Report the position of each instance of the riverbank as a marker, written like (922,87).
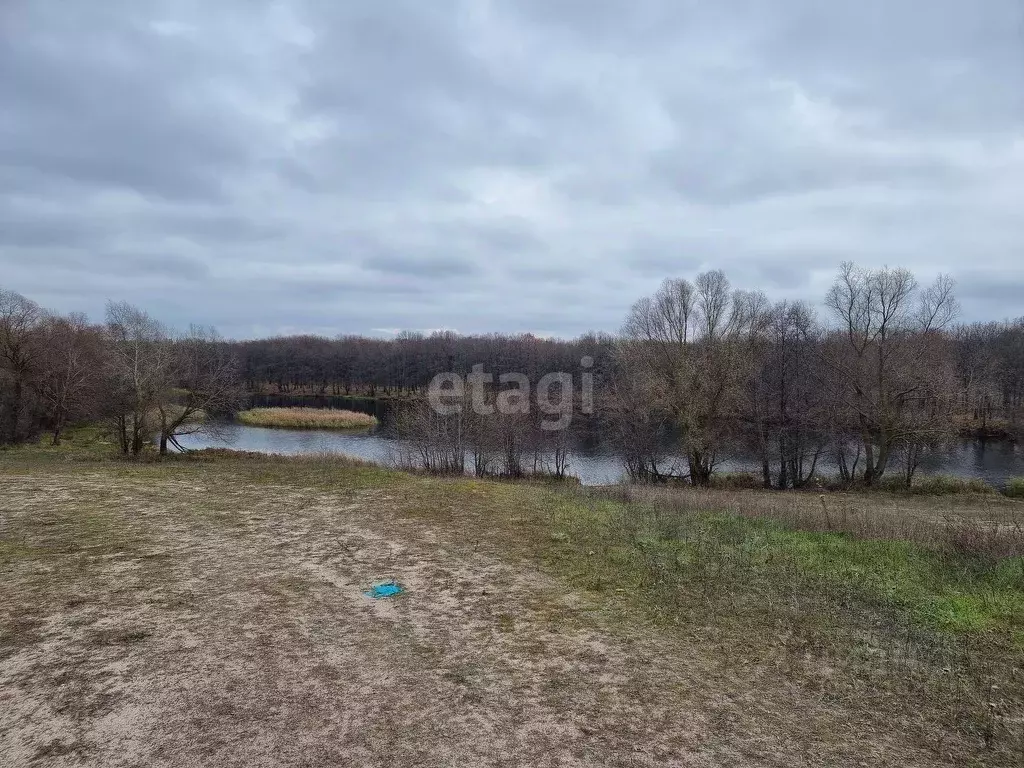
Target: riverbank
(214,601)
(595,463)
(313,397)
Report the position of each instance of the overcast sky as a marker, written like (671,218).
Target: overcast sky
(337,166)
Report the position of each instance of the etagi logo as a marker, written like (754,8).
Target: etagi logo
(554,394)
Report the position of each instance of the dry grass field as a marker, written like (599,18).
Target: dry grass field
(210,611)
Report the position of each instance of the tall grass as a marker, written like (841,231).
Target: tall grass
(306,418)
(936,485)
(938,618)
(938,522)
(1015,488)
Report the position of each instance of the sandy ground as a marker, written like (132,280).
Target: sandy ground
(204,620)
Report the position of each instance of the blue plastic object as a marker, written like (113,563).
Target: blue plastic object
(387,589)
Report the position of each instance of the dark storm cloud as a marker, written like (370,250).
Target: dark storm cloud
(484,165)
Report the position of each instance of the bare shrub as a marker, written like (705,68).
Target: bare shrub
(429,441)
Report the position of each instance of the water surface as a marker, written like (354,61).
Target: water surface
(593,464)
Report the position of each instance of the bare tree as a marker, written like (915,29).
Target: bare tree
(885,352)
(20,351)
(1009,352)
(786,405)
(692,344)
(429,440)
(70,381)
(977,370)
(166,386)
(640,421)
(140,363)
(202,382)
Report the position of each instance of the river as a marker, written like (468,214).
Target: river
(993,462)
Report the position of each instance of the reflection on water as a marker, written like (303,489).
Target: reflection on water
(993,462)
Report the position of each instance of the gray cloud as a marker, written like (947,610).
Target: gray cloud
(427,268)
(45,232)
(531,166)
(152,266)
(992,296)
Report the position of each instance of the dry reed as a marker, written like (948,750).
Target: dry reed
(306,418)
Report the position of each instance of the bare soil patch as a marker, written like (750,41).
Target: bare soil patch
(204,615)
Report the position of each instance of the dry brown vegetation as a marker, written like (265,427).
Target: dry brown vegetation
(209,611)
(306,418)
(939,522)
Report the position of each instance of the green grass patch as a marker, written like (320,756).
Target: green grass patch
(677,560)
(78,443)
(1015,488)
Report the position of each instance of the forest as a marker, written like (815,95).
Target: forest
(882,373)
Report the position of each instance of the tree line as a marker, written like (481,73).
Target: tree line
(882,376)
(130,373)
(405,365)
